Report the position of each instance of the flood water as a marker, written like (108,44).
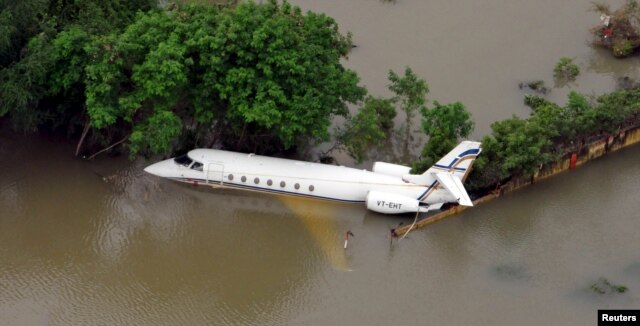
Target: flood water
(475,52)
(101,243)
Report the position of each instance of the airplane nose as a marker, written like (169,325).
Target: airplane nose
(159,169)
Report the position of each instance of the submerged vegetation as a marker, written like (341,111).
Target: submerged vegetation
(619,30)
(535,85)
(565,70)
(603,286)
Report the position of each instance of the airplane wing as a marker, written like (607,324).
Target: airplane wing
(454,185)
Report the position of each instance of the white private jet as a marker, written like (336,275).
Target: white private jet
(388,188)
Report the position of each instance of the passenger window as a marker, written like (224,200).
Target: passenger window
(196,166)
(311,188)
(256,180)
(244,179)
(297,186)
(230,177)
(269,182)
(282,184)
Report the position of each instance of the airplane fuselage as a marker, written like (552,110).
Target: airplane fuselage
(291,177)
(388,188)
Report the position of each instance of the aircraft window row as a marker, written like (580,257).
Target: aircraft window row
(269,182)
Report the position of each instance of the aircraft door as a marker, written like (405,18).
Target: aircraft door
(215,172)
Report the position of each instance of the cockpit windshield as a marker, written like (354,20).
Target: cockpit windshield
(196,166)
(183,160)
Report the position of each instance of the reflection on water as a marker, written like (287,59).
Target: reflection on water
(319,219)
(136,203)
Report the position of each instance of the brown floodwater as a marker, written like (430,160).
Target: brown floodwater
(102,243)
(475,52)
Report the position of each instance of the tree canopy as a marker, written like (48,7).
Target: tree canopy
(445,125)
(254,77)
(519,147)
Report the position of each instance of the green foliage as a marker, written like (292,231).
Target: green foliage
(279,70)
(522,145)
(24,83)
(155,134)
(410,95)
(97,16)
(384,109)
(519,147)
(566,70)
(622,48)
(261,70)
(603,286)
(7,28)
(410,91)
(42,56)
(19,21)
(368,128)
(445,125)
(68,49)
(266,72)
(622,35)
(536,86)
(534,101)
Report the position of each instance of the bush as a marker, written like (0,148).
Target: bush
(621,34)
(622,48)
(566,70)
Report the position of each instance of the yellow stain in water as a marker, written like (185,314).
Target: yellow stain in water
(320,223)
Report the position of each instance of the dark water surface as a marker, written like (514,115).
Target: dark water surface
(98,243)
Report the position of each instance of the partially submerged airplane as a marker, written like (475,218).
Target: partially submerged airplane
(388,188)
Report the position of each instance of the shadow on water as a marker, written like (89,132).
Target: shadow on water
(511,272)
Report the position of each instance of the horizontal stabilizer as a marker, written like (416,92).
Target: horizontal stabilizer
(454,185)
(418,179)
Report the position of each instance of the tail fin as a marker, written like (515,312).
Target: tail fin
(458,161)
(450,171)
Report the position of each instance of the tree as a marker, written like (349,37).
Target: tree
(42,57)
(19,22)
(368,128)
(410,94)
(516,147)
(260,72)
(445,125)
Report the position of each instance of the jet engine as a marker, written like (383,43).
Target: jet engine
(393,170)
(388,203)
